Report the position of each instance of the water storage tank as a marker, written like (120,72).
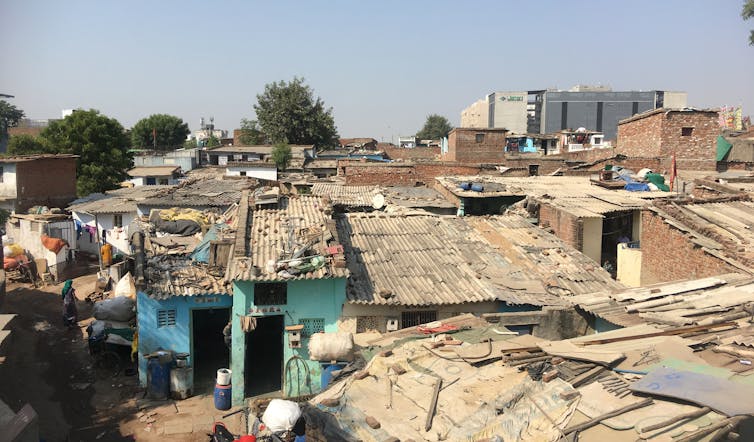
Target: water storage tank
(222,397)
(476,187)
(158,377)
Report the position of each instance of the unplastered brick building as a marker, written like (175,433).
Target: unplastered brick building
(690,134)
(475,145)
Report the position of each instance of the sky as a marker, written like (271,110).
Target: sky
(382,66)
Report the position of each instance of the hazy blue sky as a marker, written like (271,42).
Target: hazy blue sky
(383,66)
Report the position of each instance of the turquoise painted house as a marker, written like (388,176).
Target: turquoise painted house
(289,282)
(184,309)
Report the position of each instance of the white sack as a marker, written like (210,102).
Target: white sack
(126,287)
(331,347)
(281,415)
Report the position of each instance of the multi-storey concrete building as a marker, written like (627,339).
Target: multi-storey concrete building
(595,108)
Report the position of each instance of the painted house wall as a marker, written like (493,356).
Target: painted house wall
(177,338)
(319,298)
(115,236)
(262,173)
(142,180)
(28,234)
(629,266)
(593,238)
(8,184)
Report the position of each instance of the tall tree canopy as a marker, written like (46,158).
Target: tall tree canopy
(251,134)
(748,12)
(27,144)
(435,127)
(102,146)
(9,115)
(170,131)
(288,112)
(281,155)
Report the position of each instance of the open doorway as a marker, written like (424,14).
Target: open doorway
(210,352)
(264,356)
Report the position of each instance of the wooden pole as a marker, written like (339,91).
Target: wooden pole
(692,415)
(433,404)
(594,421)
(727,425)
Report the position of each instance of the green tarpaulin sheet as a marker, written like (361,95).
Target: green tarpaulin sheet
(723,147)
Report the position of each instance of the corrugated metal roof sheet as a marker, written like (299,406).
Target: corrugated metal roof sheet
(297,218)
(429,260)
(115,201)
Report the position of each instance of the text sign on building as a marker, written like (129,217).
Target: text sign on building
(512,98)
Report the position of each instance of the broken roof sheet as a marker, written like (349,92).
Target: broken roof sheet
(722,226)
(304,220)
(564,270)
(122,200)
(415,197)
(178,275)
(353,196)
(201,193)
(678,303)
(429,260)
(570,193)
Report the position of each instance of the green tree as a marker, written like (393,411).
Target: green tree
(171,132)
(27,144)
(281,155)
(190,144)
(251,134)
(101,144)
(288,112)
(748,12)
(435,127)
(9,115)
(212,141)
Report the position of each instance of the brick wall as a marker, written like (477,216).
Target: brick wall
(564,225)
(45,182)
(417,153)
(667,255)
(463,146)
(400,174)
(660,134)
(588,156)
(641,137)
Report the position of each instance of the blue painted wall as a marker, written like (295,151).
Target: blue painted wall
(319,298)
(178,337)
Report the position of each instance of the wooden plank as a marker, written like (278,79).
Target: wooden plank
(596,420)
(433,404)
(667,332)
(692,415)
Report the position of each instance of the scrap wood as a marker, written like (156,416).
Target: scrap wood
(733,351)
(594,421)
(725,426)
(692,415)
(433,404)
(568,350)
(582,378)
(666,332)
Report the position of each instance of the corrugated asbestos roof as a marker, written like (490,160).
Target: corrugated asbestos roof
(201,193)
(564,270)
(723,226)
(174,275)
(353,196)
(429,260)
(573,194)
(115,201)
(673,304)
(300,218)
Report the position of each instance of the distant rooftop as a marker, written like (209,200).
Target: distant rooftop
(142,171)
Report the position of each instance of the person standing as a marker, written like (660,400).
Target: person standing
(70,313)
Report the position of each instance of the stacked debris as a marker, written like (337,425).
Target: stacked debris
(485,383)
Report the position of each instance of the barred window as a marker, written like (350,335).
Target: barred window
(312,325)
(412,319)
(271,293)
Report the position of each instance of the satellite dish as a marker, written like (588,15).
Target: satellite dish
(378,201)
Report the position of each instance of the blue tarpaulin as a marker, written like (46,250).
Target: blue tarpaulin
(201,252)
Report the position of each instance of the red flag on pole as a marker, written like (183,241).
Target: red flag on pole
(673,172)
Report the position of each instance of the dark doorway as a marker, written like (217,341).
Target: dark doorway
(264,356)
(533,169)
(210,352)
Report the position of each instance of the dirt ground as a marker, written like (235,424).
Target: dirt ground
(49,367)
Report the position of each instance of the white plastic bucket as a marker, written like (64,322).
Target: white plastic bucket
(223,376)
